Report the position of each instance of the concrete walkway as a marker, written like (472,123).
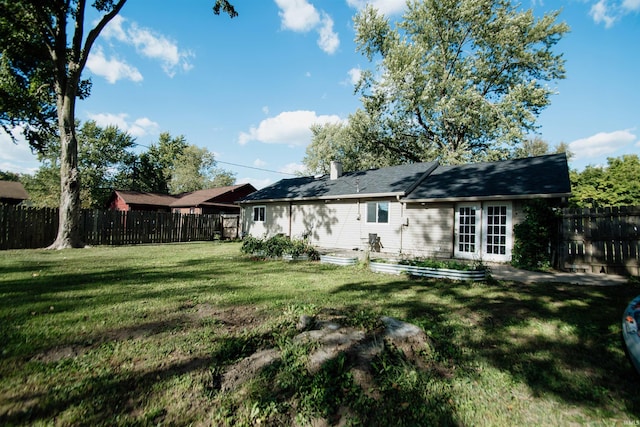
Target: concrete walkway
(506,272)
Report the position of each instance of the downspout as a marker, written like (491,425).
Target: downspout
(401,220)
(290,218)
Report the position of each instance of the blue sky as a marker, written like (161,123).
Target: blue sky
(248,88)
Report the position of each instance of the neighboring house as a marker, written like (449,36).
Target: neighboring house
(12,193)
(211,201)
(122,200)
(425,209)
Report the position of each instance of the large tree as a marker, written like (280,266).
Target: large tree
(55,31)
(455,80)
(104,155)
(173,166)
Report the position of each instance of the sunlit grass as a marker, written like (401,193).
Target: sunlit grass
(138,335)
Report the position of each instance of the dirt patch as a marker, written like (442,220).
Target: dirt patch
(233,319)
(330,338)
(57,354)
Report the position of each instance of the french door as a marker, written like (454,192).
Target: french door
(484,231)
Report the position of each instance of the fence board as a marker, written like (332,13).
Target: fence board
(601,240)
(29,228)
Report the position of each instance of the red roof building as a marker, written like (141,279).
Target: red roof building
(209,201)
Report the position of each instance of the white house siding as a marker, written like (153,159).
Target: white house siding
(431,227)
(343,224)
(429,232)
(333,224)
(276,220)
(339,224)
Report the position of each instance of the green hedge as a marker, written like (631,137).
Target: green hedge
(278,245)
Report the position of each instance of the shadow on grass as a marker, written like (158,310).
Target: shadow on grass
(561,341)
(558,339)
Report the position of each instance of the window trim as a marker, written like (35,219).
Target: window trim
(377,211)
(256,213)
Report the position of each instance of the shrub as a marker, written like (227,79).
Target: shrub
(251,245)
(278,245)
(533,236)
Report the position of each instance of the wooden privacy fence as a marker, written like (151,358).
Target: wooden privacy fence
(28,228)
(601,240)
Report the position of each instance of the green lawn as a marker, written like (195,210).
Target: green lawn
(140,335)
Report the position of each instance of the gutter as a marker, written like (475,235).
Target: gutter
(488,198)
(397,195)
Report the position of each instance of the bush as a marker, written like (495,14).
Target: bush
(533,236)
(278,245)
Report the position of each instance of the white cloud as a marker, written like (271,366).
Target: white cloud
(265,110)
(601,144)
(601,13)
(328,41)
(301,16)
(289,127)
(258,183)
(259,163)
(114,29)
(137,128)
(293,168)
(631,5)
(354,75)
(298,15)
(149,44)
(111,69)
(387,7)
(608,12)
(17,157)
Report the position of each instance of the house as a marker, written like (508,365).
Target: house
(214,200)
(122,200)
(12,193)
(426,209)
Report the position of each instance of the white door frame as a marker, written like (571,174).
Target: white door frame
(468,218)
(484,231)
(497,231)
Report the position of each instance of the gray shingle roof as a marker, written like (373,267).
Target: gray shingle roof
(542,176)
(394,180)
(534,176)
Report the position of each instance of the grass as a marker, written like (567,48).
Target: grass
(140,336)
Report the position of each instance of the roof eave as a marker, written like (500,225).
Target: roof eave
(488,198)
(333,197)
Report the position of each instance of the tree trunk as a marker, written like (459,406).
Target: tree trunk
(69,217)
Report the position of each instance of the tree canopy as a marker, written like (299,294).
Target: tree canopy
(107,162)
(613,185)
(44,49)
(454,80)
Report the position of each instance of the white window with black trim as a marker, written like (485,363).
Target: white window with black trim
(378,212)
(259,213)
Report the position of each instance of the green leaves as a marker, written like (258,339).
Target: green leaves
(614,185)
(456,79)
